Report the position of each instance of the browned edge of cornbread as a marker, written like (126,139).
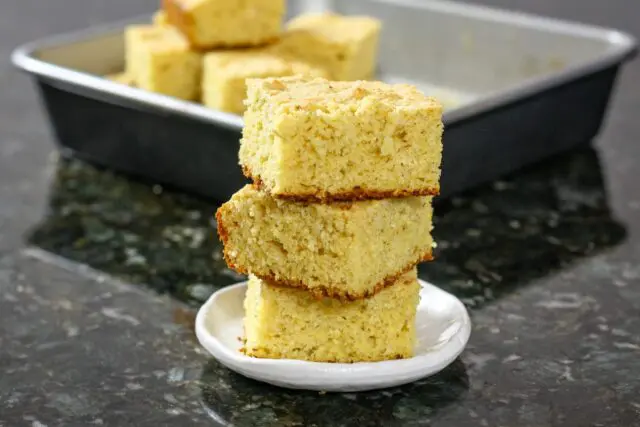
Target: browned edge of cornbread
(332,291)
(180,19)
(354,194)
(243,350)
(327,291)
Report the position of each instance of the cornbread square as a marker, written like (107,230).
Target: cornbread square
(226,23)
(346,45)
(321,140)
(347,250)
(160,60)
(286,323)
(224,87)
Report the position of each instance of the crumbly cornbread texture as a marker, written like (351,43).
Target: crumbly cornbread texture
(286,323)
(347,250)
(225,72)
(160,60)
(347,46)
(226,23)
(318,139)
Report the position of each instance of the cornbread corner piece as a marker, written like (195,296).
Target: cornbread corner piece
(227,23)
(320,140)
(160,60)
(346,45)
(345,250)
(286,323)
(225,72)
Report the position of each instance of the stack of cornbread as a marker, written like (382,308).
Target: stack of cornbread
(204,50)
(337,217)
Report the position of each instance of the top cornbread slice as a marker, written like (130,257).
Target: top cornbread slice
(345,250)
(226,23)
(314,139)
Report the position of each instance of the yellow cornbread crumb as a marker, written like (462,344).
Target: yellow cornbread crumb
(347,46)
(160,60)
(285,323)
(347,250)
(224,87)
(317,139)
(226,23)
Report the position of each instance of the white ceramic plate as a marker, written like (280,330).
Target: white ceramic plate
(443,328)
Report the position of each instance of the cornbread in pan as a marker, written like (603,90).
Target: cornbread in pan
(224,87)
(226,23)
(314,139)
(346,250)
(286,323)
(160,60)
(346,45)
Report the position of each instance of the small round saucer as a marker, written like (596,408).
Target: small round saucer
(442,324)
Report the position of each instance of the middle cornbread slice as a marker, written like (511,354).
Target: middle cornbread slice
(346,250)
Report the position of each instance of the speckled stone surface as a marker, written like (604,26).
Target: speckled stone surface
(546,261)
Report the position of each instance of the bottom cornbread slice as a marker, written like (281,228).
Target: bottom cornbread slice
(290,323)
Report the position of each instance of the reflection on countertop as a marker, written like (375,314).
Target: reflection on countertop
(138,232)
(508,234)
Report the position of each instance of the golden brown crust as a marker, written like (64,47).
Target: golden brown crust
(183,21)
(354,194)
(223,235)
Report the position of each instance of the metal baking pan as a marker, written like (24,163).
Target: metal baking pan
(517,88)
